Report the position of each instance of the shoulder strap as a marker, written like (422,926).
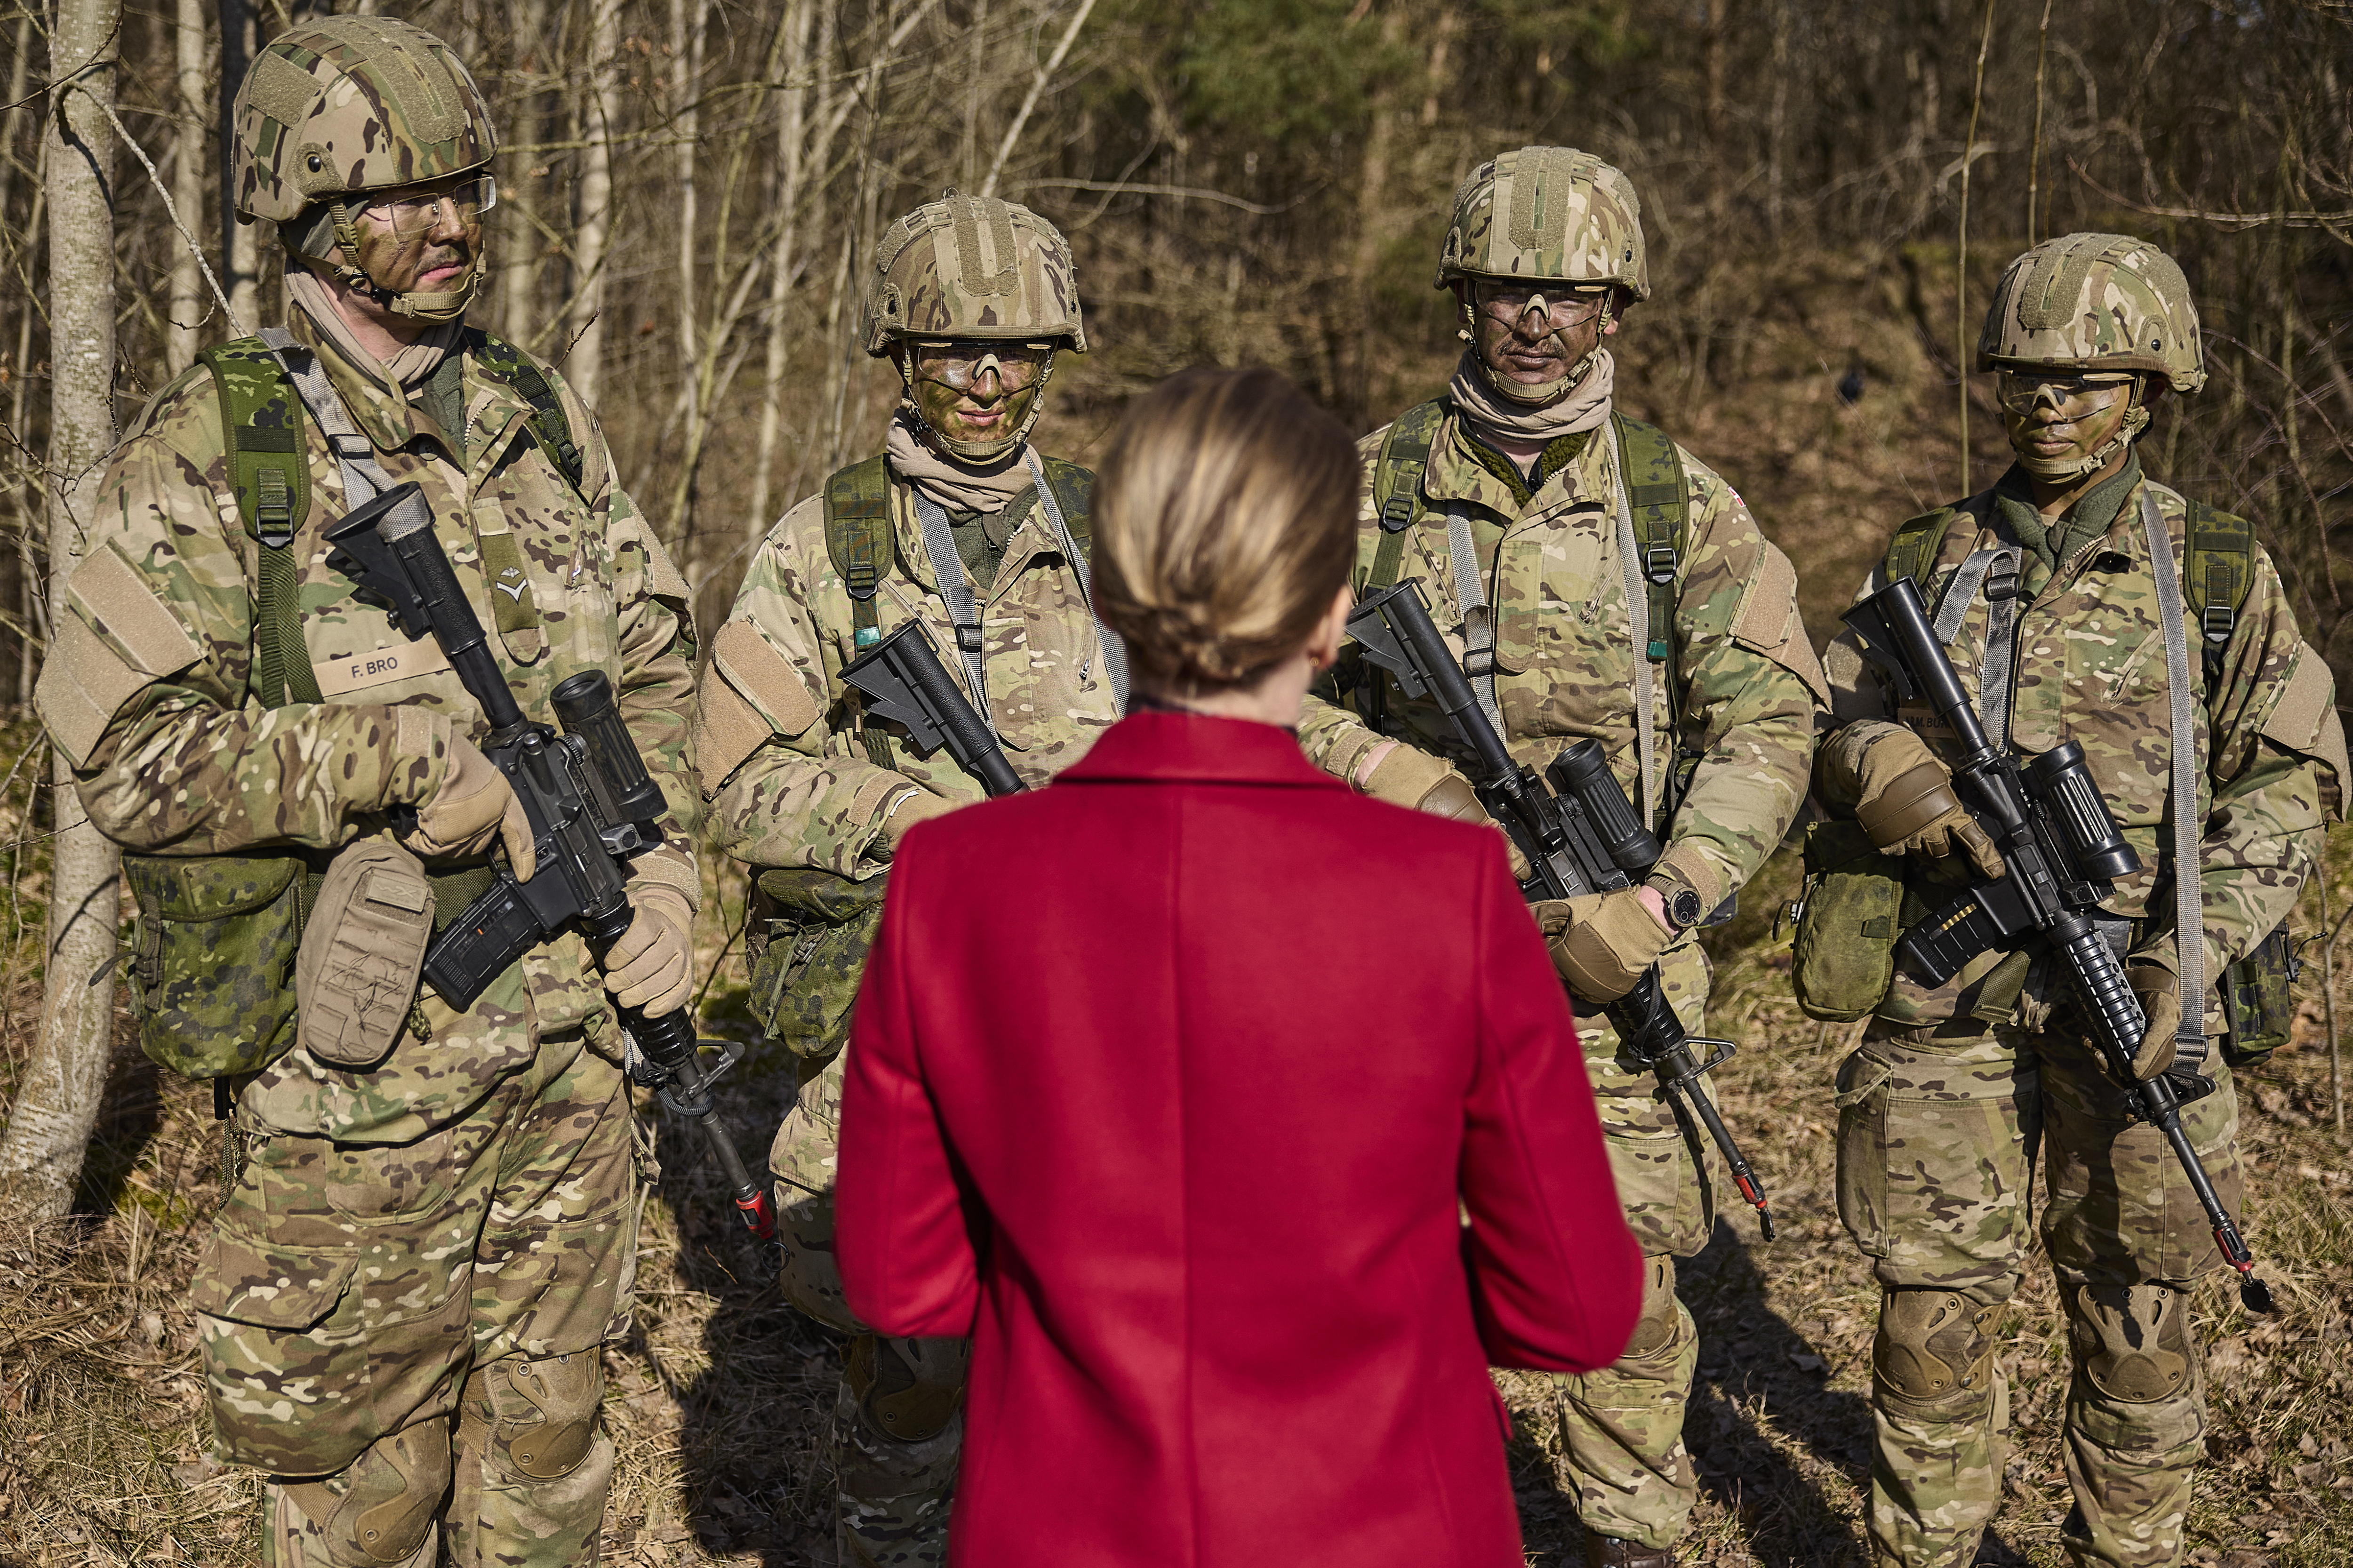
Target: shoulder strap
(857,540)
(1403,459)
(261,420)
(550,426)
(1660,499)
(1913,551)
(1074,493)
(2218,570)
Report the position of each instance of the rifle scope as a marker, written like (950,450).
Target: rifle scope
(584,707)
(2062,783)
(1582,774)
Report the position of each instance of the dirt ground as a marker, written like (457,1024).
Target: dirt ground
(717,1401)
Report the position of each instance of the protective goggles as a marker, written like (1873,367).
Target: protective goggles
(2073,393)
(961,361)
(411,215)
(1564,305)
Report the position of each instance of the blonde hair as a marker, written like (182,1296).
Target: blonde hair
(1225,520)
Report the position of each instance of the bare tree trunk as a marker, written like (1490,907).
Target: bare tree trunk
(686,35)
(600,106)
(240,267)
(792,132)
(519,269)
(192,153)
(57,1104)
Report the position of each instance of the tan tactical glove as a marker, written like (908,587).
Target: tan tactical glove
(1417,780)
(1906,803)
(908,807)
(2152,980)
(1602,942)
(474,808)
(651,968)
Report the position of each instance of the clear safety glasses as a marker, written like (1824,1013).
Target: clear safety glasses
(2073,393)
(411,215)
(1564,304)
(960,363)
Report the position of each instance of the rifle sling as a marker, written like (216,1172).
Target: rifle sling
(2189,894)
(1478,615)
(947,567)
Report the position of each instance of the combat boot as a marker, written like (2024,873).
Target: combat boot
(1610,1552)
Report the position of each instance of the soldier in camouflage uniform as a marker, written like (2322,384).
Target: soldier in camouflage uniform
(1510,498)
(2054,573)
(961,528)
(407,1287)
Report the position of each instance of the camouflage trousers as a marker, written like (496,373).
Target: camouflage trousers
(1938,1133)
(407,1336)
(1622,1427)
(898,1426)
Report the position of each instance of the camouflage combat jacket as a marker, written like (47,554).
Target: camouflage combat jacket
(1749,687)
(789,772)
(174,756)
(2091,668)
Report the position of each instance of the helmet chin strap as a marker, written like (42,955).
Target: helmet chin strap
(444,305)
(973,452)
(2067,470)
(1542,393)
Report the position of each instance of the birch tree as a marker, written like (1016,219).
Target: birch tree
(57,1101)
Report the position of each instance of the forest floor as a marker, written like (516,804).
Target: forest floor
(718,1401)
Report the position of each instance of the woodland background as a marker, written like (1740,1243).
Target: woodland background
(690,190)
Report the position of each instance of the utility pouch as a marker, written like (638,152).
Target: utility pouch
(212,965)
(2258,1000)
(356,981)
(810,933)
(1848,921)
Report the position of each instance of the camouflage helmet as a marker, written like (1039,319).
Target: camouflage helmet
(346,104)
(973,266)
(2098,302)
(1547,213)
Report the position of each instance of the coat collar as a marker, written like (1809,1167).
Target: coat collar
(1190,748)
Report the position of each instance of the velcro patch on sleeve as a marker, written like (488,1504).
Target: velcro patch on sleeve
(766,678)
(115,598)
(1770,622)
(663,581)
(727,730)
(84,683)
(2310,697)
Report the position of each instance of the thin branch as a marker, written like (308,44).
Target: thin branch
(1036,88)
(171,208)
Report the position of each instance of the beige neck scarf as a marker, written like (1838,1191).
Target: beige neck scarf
(1583,407)
(405,372)
(951,485)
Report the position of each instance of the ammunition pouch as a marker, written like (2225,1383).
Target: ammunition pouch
(2258,1001)
(213,960)
(1848,921)
(810,933)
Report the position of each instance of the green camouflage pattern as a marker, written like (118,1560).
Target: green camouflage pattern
(191,765)
(813,796)
(1938,1132)
(212,963)
(808,941)
(1563,665)
(349,1291)
(2095,301)
(974,267)
(1621,1427)
(2091,669)
(1547,213)
(345,104)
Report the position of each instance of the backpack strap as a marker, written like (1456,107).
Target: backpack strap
(261,421)
(1658,505)
(1074,493)
(1913,551)
(550,426)
(1398,468)
(857,540)
(1065,490)
(2218,570)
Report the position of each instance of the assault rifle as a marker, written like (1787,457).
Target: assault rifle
(1581,835)
(902,679)
(591,808)
(2061,851)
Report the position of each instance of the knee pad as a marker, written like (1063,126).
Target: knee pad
(1933,1345)
(538,1416)
(380,1511)
(1661,1321)
(908,1390)
(2132,1341)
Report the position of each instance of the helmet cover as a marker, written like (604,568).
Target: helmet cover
(1547,213)
(973,266)
(2096,302)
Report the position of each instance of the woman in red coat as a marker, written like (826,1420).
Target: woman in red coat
(1170,1084)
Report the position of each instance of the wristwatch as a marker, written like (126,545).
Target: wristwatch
(1684,909)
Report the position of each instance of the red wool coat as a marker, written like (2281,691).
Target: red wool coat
(1164,1085)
